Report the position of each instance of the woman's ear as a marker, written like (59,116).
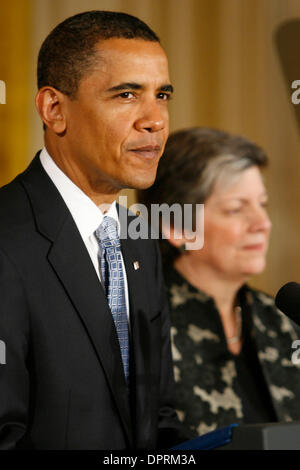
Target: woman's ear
(179,239)
(175,237)
(50,103)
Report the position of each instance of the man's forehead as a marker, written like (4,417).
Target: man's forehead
(130,49)
(120,60)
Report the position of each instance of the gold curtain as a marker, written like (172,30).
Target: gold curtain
(226,73)
(15,43)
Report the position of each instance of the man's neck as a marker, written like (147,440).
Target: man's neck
(103,197)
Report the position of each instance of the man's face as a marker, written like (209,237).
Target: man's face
(118,124)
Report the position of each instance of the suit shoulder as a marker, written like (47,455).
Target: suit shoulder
(14,206)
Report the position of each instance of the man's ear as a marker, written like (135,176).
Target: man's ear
(49,103)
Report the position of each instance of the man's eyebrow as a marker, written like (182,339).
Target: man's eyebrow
(168,87)
(126,86)
(137,86)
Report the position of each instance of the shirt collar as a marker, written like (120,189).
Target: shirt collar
(86,214)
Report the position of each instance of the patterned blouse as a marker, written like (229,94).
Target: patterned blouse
(207,384)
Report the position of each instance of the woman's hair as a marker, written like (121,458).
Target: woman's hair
(194,161)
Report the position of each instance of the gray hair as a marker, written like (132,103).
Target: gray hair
(224,169)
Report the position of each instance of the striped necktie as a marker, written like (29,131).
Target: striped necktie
(110,261)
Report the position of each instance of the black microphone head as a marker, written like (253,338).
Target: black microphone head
(288,301)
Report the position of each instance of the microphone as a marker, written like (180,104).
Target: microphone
(288,301)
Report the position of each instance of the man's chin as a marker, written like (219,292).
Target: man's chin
(141,182)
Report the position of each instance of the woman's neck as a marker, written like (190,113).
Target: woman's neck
(223,290)
(204,277)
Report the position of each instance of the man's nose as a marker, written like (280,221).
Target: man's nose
(152,119)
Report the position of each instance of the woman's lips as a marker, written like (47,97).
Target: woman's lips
(257,246)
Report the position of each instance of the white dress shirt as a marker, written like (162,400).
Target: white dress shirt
(86,214)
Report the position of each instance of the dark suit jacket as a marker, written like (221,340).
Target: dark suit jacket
(63,385)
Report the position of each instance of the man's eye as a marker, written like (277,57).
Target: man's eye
(126,94)
(164,96)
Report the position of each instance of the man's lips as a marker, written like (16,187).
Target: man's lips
(147,151)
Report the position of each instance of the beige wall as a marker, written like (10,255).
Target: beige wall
(15,45)
(226,74)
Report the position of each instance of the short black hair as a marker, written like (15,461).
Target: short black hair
(68,52)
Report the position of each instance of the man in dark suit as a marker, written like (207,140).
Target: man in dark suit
(72,378)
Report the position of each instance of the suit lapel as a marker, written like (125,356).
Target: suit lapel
(71,262)
(140,328)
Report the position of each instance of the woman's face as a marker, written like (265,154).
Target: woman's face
(236,227)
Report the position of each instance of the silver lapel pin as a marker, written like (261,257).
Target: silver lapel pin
(136,265)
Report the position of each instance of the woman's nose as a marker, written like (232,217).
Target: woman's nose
(261,220)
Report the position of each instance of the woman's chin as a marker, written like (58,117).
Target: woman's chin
(254,268)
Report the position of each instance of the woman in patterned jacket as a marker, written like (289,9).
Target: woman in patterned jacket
(231,347)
